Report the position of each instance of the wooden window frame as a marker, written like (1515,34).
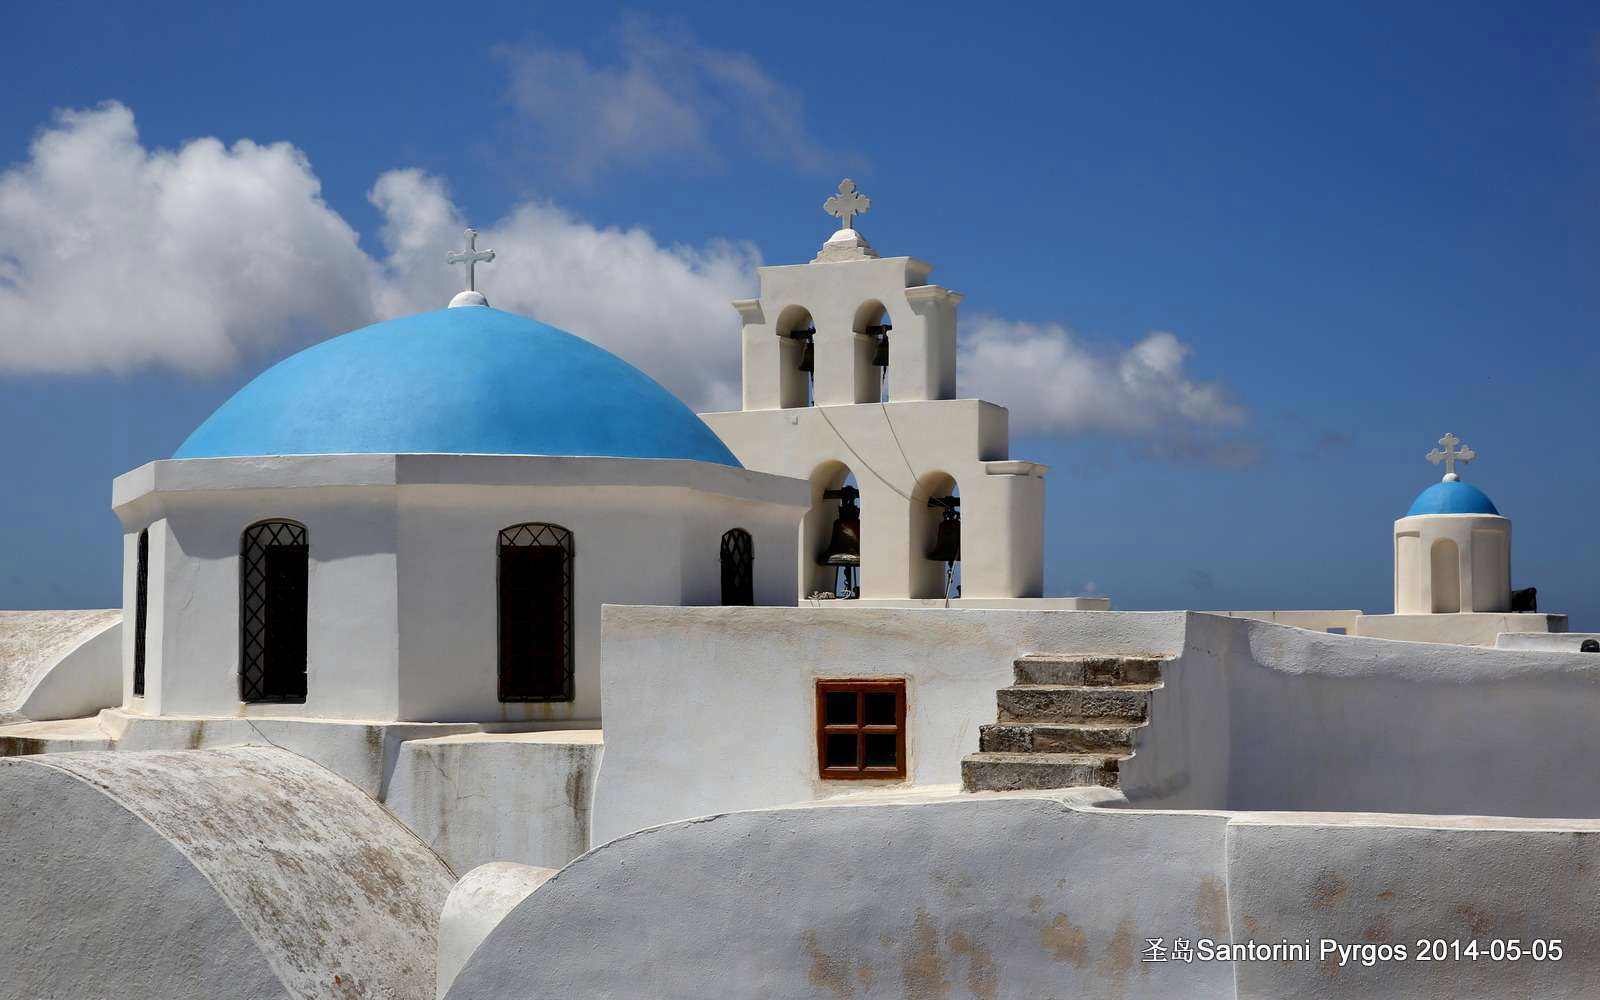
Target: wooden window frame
(861,686)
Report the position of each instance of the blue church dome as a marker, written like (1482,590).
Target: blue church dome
(470,380)
(1452,498)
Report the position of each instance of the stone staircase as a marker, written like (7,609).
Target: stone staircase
(1068,721)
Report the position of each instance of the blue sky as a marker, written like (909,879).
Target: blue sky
(1361,227)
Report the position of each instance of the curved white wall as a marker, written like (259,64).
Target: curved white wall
(1447,563)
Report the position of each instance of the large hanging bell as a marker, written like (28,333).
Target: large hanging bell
(947,543)
(808,357)
(844,545)
(880,353)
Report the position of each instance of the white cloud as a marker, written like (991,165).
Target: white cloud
(663,308)
(113,255)
(1057,383)
(665,97)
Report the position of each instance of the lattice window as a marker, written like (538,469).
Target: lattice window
(535,612)
(861,728)
(141,609)
(738,567)
(274,566)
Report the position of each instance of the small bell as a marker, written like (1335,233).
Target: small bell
(844,545)
(808,357)
(947,543)
(880,353)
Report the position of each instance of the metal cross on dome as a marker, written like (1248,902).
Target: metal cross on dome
(471,257)
(847,204)
(1450,456)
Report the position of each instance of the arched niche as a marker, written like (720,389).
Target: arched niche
(796,357)
(928,575)
(872,327)
(816,530)
(1445,575)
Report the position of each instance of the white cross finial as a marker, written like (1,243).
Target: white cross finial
(1450,456)
(847,204)
(471,257)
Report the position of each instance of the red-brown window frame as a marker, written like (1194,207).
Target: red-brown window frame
(861,686)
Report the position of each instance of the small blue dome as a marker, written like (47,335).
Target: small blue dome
(471,380)
(1452,498)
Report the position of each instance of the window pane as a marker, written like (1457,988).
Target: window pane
(880,708)
(839,708)
(881,749)
(841,750)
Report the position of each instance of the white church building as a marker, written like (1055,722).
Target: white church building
(458,658)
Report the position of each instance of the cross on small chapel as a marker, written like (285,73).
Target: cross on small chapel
(847,204)
(471,257)
(1450,456)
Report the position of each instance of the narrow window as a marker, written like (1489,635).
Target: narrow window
(141,603)
(738,559)
(535,565)
(273,571)
(861,728)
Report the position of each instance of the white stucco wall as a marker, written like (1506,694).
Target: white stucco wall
(691,693)
(1466,629)
(980,897)
(59,664)
(402,591)
(208,875)
(476,906)
(1252,716)
(990,896)
(481,797)
(1555,642)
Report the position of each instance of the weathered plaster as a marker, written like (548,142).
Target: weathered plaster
(247,872)
(58,664)
(481,797)
(476,906)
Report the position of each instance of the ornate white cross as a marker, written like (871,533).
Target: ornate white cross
(847,204)
(1450,456)
(471,257)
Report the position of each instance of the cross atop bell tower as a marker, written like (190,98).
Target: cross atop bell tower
(846,244)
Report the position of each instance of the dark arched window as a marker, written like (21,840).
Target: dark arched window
(141,609)
(738,558)
(274,564)
(535,568)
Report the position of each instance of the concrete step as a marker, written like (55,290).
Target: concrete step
(1072,703)
(1045,737)
(1046,668)
(1005,772)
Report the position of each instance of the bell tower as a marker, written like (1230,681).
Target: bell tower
(849,382)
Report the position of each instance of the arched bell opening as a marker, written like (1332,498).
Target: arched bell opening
(872,327)
(936,537)
(797,357)
(830,543)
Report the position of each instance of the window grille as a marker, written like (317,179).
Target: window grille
(738,566)
(535,613)
(273,576)
(141,606)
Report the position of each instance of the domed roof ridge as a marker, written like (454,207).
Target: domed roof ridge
(1452,497)
(456,381)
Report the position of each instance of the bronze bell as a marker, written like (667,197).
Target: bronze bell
(844,546)
(808,357)
(880,350)
(947,543)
